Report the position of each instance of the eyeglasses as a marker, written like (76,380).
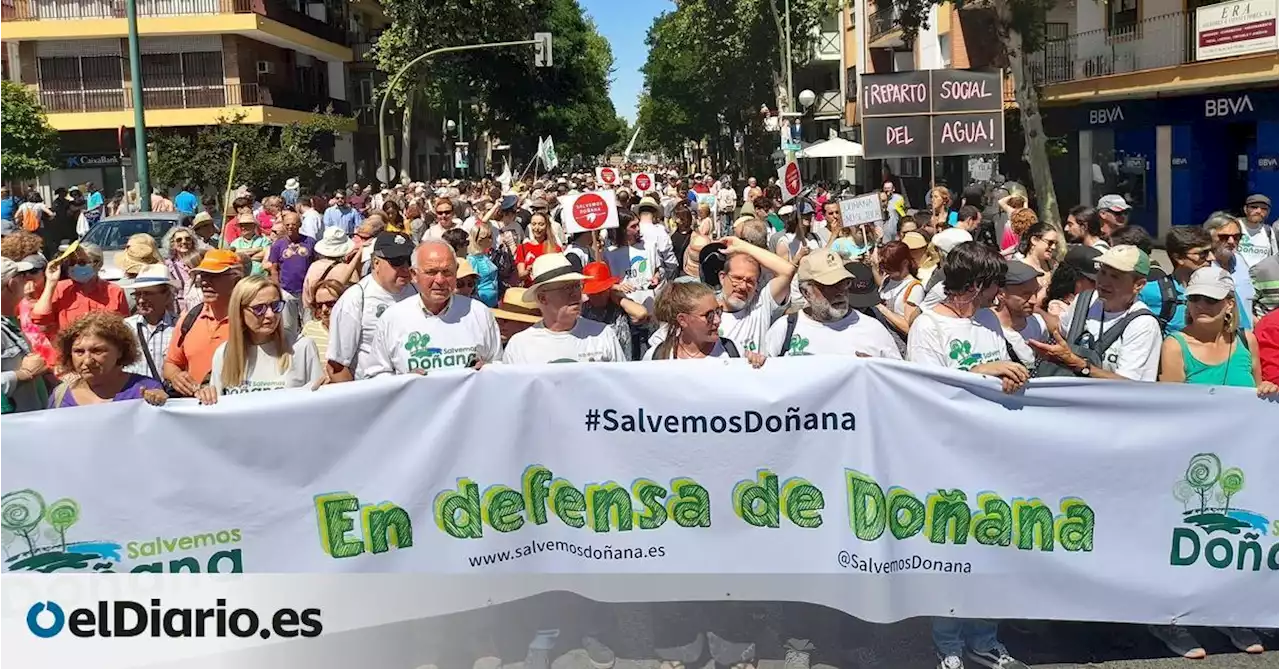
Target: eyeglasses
(180,240)
(261,310)
(466,283)
(741,280)
(327,304)
(1226,238)
(444,212)
(1051,243)
(1198,253)
(710,316)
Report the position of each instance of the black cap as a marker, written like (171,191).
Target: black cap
(1017,272)
(1082,259)
(863,294)
(712,260)
(392,246)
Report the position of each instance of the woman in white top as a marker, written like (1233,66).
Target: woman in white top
(900,291)
(258,353)
(692,313)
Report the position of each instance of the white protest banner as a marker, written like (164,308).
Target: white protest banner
(589,211)
(861,209)
(643,182)
(888,490)
(607,176)
(789,180)
(548,154)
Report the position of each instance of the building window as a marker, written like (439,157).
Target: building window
(182,80)
(851,84)
(81,83)
(944,47)
(1122,16)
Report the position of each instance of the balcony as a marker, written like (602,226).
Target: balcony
(188,97)
(277,10)
(1159,41)
(884,29)
(827,46)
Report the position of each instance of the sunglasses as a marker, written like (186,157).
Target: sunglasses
(261,310)
(1204,299)
(1225,237)
(327,304)
(444,212)
(179,240)
(466,283)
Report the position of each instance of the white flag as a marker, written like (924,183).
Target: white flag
(548,154)
(505,177)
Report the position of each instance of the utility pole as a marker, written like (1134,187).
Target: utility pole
(139,114)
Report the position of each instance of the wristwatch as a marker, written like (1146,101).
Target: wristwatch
(1083,371)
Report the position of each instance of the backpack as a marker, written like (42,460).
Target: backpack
(31,218)
(188,322)
(1169,299)
(1082,343)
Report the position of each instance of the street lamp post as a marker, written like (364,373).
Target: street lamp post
(449,125)
(391,85)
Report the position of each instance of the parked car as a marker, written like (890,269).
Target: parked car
(113,233)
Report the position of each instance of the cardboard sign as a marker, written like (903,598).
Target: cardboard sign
(589,211)
(607,176)
(861,209)
(644,182)
(789,180)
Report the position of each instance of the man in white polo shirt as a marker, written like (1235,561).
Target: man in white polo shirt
(562,335)
(355,316)
(435,330)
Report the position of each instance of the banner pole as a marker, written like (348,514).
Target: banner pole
(231,179)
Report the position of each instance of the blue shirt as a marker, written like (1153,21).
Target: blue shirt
(7,206)
(94,201)
(186,203)
(347,218)
(1150,296)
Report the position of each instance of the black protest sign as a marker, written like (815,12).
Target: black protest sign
(895,136)
(965,134)
(966,91)
(895,93)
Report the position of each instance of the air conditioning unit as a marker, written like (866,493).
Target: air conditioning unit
(266,67)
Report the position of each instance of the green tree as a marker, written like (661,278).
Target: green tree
(713,63)
(267,155)
(1202,474)
(1231,482)
(61,515)
(21,513)
(1019,32)
(568,101)
(30,143)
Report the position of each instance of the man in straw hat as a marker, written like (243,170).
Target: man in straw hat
(437,330)
(153,320)
(562,335)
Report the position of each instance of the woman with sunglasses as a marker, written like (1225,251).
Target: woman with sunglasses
(692,314)
(1038,248)
(324,296)
(259,354)
(181,251)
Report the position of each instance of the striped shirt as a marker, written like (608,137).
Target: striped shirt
(154,339)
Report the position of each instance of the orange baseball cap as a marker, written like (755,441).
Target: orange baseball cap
(217,261)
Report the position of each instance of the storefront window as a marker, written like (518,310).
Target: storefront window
(1118,170)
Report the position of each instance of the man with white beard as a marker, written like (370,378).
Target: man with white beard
(830,323)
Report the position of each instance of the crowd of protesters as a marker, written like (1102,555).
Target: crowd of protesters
(299,290)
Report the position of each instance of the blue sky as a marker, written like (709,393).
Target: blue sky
(624,23)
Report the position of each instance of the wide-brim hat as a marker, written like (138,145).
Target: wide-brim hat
(513,307)
(333,243)
(649,203)
(598,279)
(156,274)
(550,270)
(291,184)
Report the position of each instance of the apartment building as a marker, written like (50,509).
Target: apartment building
(1179,115)
(820,73)
(952,39)
(265,61)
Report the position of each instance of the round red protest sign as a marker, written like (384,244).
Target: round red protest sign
(608,176)
(590,211)
(643,183)
(793,178)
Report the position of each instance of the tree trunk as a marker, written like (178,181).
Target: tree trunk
(1028,99)
(406,145)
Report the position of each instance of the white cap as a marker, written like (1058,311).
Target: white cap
(1211,282)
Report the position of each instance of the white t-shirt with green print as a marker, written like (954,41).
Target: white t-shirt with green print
(853,334)
(956,343)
